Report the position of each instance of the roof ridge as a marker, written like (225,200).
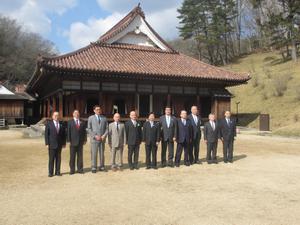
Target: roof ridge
(134,47)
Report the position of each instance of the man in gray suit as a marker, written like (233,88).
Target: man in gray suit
(116,142)
(97,129)
(168,125)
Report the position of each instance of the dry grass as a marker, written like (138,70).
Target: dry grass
(261,187)
(273,90)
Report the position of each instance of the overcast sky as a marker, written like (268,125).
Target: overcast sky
(72,24)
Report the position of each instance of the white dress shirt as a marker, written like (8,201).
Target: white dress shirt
(168,120)
(195,118)
(212,123)
(134,122)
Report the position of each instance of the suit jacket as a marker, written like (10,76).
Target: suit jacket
(76,136)
(151,135)
(184,133)
(227,131)
(209,134)
(116,138)
(196,127)
(94,128)
(52,138)
(167,133)
(133,134)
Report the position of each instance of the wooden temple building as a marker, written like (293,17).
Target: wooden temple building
(130,67)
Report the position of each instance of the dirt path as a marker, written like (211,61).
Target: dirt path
(260,187)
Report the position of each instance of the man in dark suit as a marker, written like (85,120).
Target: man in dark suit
(184,136)
(227,134)
(151,136)
(195,146)
(168,127)
(55,140)
(76,135)
(133,132)
(211,135)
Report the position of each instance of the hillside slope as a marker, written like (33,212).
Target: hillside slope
(273,89)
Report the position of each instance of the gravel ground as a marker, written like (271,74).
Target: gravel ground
(260,187)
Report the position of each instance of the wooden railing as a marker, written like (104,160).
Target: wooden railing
(2,122)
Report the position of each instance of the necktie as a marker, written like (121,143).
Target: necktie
(99,119)
(196,119)
(228,122)
(117,127)
(184,122)
(77,124)
(57,127)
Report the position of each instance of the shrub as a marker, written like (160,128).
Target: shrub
(297,93)
(264,96)
(280,84)
(254,81)
(296,118)
(268,73)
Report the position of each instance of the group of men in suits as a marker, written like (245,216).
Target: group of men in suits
(185,131)
(56,135)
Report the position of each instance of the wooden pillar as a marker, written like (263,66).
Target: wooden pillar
(102,102)
(48,107)
(44,108)
(137,103)
(81,104)
(151,103)
(168,100)
(54,103)
(214,107)
(60,101)
(198,102)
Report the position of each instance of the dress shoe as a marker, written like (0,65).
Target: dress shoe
(71,173)
(58,174)
(94,171)
(136,167)
(225,161)
(80,171)
(148,167)
(102,169)
(154,167)
(131,168)
(50,175)
(177,165)
(171,164)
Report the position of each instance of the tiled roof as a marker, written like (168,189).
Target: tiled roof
(139,60)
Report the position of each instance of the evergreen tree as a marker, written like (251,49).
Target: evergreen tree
(211,24)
